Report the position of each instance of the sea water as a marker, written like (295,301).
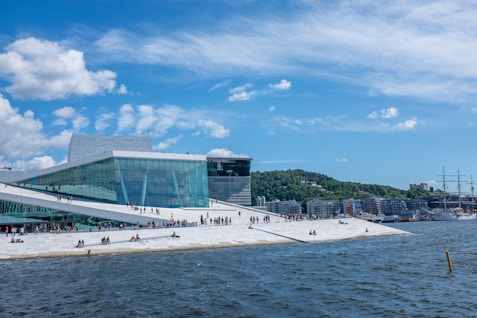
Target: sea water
(395,276)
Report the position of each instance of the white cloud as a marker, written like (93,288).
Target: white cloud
(389,113)
(409,124)
(271,109)
(242,93)
(283,85)
(38,69)
(126,118)
(34,164)
(22,135)
(158,121)
(213,129)
(163,145)
(122,89)
(384,113)
(225,153)
(69,113)
(104,121)
(240,97)
(343,160)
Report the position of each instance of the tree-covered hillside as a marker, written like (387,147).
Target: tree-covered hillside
(303,186)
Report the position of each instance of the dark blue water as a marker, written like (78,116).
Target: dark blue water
(399,276)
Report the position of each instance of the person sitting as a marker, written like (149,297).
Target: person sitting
(174,234)
(133,238)
(108,241)
(310,233)
(314,232)
(137,237)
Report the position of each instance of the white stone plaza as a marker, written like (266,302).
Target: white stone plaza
(239,232)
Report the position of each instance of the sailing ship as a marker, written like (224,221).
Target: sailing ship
(456,212)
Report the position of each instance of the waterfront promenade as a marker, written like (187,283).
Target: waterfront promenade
(238,230)
(202,236)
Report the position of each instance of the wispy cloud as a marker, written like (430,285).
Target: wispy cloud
(277,124)
(165,144)
(219,85)
(246,93)
(400,48)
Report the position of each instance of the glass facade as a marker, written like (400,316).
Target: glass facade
(138,181)
(33,216)
(227,167)
(229,180)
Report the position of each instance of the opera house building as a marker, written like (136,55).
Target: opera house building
(108,173)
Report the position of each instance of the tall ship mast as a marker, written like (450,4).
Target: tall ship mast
(454,213)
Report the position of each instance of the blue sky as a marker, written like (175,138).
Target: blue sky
(380,93)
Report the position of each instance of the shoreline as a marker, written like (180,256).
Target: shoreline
(50,245)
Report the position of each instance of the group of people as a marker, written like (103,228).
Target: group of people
(143,210)
(80,244)
(13,229)
(220,220)
(69,198)
(135,238)
(105,241)
(312,232)
(294,217)
(18,240)
(107,226)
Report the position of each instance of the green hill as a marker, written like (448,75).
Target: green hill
(303,186)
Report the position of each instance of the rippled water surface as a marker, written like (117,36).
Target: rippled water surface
(398,276)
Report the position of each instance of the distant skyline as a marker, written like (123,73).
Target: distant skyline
(377,93)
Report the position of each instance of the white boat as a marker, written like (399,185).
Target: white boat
(391,218)
(457,213)
(375,218)
(453,215)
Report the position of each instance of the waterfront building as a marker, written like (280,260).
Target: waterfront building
(125,177)
(417,205)
(318,209)
(283,207)
(350,207)
(133,176)
(393,207)
(372,205)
